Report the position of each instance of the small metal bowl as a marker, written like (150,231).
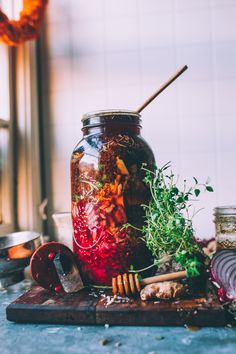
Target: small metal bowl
(15,252)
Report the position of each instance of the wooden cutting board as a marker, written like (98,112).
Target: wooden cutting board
(42,306)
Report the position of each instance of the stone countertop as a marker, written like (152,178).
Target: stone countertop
(56,339)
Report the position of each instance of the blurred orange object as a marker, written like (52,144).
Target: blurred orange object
(19,252)
(14,32)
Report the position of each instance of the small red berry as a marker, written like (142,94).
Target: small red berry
(222,295)
(57,288)
(51,256)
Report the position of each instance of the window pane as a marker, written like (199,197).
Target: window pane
(12,9)
(7,7)
(17,7)
(5,177)
(4,87)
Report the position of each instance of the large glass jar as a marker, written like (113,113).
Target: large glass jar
(107,192)
(225,223)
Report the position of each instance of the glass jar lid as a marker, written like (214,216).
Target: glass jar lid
(111,112)
(98,118)
(225,210)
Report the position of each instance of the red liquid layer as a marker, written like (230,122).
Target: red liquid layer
(101,253)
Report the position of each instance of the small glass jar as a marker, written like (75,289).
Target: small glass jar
(225,223)
(107,191)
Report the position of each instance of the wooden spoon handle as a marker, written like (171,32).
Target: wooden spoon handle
(162,88)
(164,277)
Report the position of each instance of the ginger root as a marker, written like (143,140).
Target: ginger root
(163,290)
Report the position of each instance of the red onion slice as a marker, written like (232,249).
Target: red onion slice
(223,269)
(232,283)
(228,271)
(220,255)
(219,259)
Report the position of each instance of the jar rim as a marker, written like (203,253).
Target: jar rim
(225,210)
(110,112)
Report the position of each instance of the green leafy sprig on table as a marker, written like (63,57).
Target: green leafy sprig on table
(168,227)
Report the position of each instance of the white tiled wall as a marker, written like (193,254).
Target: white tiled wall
(115,53)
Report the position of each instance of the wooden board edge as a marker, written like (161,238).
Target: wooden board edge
(204,317)
(31,313)
(35,314)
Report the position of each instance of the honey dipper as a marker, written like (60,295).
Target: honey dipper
(129,284)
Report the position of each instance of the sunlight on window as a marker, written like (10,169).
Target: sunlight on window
(7,7)
(17,7)
(1,174)
(4,175)
(4,87)
(1,181)
(11,8)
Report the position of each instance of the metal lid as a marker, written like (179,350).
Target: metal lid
(225,210)
(110,117)
(111,112)
(17,238)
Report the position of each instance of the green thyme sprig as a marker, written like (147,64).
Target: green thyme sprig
(168,227)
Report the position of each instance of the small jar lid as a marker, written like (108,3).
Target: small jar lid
(111,112)
(225,210)
(98,118)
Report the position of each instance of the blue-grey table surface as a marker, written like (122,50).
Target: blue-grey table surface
(56,339)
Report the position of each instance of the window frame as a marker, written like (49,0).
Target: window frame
(9,219)
(24,178)
(24,181)
(29,188)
